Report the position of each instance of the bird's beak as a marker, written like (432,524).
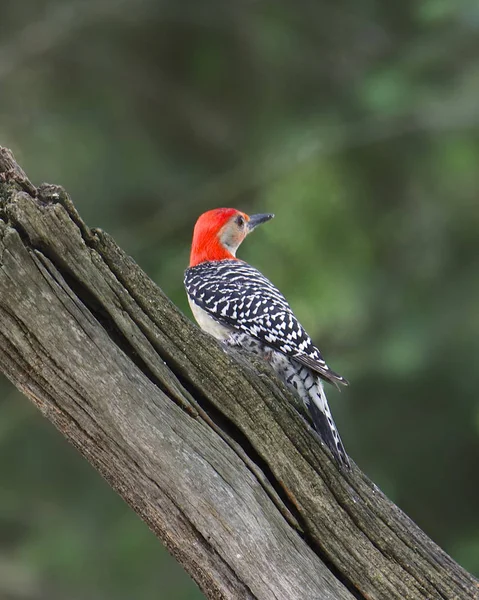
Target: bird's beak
(256,220)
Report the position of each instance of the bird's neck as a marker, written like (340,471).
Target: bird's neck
(203,250)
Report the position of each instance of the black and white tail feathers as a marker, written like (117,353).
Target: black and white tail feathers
(325,426)
(310,388)
(307,384)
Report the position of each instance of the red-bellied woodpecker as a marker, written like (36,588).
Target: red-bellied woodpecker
(236,304)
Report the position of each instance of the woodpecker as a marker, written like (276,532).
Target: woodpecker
(239,306)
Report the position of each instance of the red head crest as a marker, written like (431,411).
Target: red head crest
(219,232)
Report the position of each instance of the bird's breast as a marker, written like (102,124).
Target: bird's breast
(207,323)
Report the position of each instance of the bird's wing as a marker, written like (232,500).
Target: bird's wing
(236,294)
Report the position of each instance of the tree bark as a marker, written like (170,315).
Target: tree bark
(212,452)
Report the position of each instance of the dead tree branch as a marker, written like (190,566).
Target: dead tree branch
(212,453)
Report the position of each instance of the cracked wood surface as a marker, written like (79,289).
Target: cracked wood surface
(213,453)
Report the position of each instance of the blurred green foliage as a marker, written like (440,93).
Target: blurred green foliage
(356,123)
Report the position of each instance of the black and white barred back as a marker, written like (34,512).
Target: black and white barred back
(258,317)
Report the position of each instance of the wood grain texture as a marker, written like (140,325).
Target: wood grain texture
(212,452)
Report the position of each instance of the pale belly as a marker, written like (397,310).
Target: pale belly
(208,324)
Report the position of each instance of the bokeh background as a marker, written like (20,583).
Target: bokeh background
(357,124)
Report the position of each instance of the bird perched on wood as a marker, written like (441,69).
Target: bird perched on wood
(239,306)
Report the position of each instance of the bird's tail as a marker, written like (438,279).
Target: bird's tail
(308,385)
(314,397)
(324,424)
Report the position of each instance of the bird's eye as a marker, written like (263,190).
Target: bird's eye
(239,221)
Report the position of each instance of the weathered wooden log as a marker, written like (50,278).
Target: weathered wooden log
(212,452)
